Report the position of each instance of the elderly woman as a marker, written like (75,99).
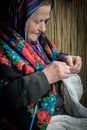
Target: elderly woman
(31,68)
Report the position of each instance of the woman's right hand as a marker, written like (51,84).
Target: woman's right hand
(56,71)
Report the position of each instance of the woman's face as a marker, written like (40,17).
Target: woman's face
(37,22)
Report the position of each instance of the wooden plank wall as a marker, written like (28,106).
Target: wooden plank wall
(68,29)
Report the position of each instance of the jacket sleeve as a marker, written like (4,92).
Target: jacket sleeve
(61,56)
(25,89)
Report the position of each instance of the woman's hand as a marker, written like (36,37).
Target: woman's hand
(74,62)
(56,71)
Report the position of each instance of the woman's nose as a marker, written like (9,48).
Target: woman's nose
(43,27)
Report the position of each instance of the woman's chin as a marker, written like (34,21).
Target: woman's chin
(33,39)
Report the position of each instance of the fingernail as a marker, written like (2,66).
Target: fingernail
(69,67)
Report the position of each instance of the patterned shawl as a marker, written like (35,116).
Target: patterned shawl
(15,51)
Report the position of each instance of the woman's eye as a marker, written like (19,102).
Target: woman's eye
(41,21)
(38,21)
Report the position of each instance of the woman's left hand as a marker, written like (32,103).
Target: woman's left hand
(74,62)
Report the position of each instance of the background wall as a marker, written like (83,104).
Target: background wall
(68,29)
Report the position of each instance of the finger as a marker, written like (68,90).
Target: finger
(76,69)
(77,61)
(66,75)
(69,67)
(69,61)
(67,70)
